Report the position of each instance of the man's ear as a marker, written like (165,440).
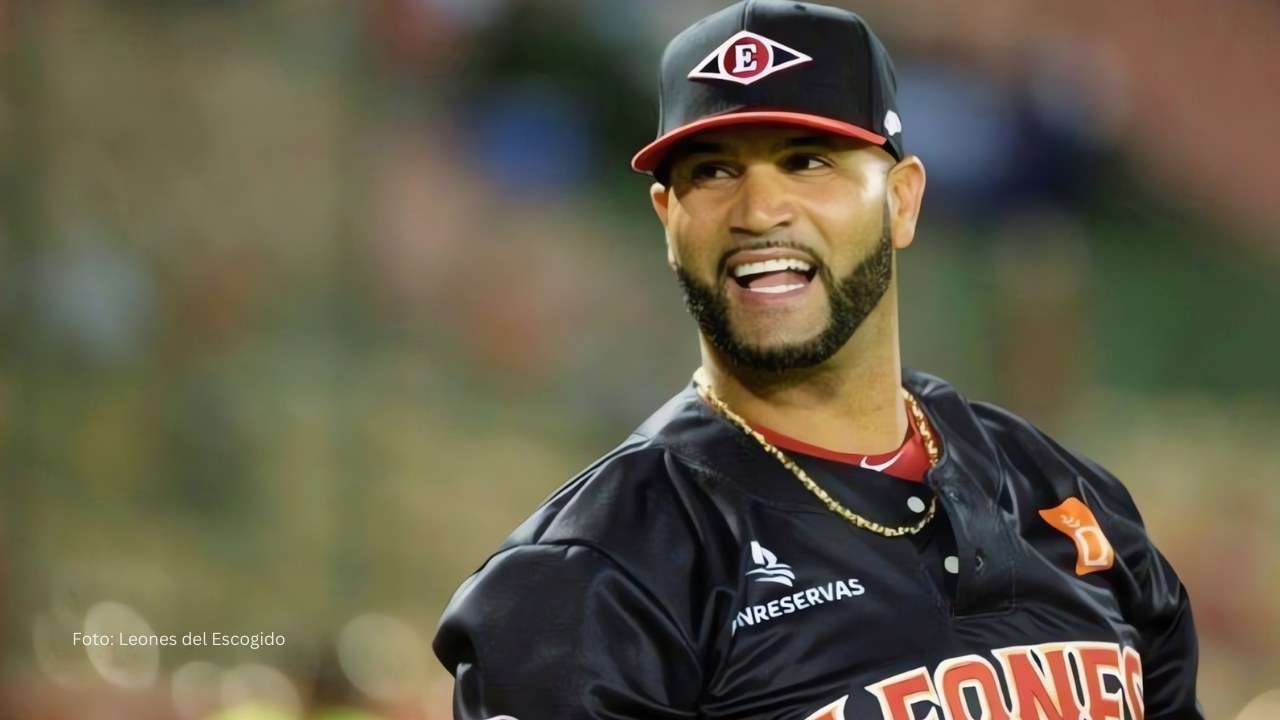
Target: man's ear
(905,192)
(660,195)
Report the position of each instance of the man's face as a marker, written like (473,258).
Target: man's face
(780,240)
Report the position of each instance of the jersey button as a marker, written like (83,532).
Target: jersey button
(915,505)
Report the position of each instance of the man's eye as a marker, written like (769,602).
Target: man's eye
(709,171)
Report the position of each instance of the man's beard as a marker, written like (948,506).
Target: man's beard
(850,299)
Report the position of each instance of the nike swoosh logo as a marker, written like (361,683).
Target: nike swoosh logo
(882,466)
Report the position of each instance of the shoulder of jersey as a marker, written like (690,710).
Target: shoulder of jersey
(644,489)
(1033,469)
(1049,470)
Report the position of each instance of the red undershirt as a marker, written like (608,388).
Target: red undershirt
(909,462)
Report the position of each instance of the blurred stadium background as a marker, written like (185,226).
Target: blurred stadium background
(304,304)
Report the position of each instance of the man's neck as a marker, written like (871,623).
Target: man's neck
(852,403)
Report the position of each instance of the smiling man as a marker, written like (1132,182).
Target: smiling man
(753,273)
(809,531)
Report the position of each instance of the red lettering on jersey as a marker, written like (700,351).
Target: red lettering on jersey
(1097,660)
(970,671)
(1040,682)
(900,692)
(1036,693)
(1133,683)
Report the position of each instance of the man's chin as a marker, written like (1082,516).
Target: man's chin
(773,335)
(775,356)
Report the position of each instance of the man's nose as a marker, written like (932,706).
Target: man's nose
(762,203)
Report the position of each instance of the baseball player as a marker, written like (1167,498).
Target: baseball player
(808,531)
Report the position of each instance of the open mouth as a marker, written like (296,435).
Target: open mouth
(773,276)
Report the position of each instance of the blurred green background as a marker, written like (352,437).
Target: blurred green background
(305,304)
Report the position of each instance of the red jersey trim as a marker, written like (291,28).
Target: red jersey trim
(910,466)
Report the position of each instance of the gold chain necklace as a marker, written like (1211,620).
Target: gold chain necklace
(702,383)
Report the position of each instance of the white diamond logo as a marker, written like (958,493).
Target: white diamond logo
(746,58)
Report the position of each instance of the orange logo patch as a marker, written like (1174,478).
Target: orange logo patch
(1077,522)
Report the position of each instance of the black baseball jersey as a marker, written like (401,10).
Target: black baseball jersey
(688,574)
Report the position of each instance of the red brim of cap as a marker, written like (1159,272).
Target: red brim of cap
(648,159)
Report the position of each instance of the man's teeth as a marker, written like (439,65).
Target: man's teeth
(765,266)
(776,288)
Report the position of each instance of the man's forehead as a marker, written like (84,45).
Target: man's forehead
(772,138)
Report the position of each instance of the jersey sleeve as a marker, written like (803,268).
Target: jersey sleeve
(1158,606)
(1148,590)
(562,632)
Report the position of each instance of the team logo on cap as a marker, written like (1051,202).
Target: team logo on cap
(747,57)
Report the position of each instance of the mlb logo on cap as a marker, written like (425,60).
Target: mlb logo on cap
(770,61)
(747,57)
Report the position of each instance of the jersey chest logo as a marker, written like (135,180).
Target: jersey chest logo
(769,570)
(766,571)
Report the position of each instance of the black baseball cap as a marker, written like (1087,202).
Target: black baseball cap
(770,61)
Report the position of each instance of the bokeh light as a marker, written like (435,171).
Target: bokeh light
(1265,707)
(55,654)
(384,657)
(253,711)
(133,666)
(197,689)
(258,687)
